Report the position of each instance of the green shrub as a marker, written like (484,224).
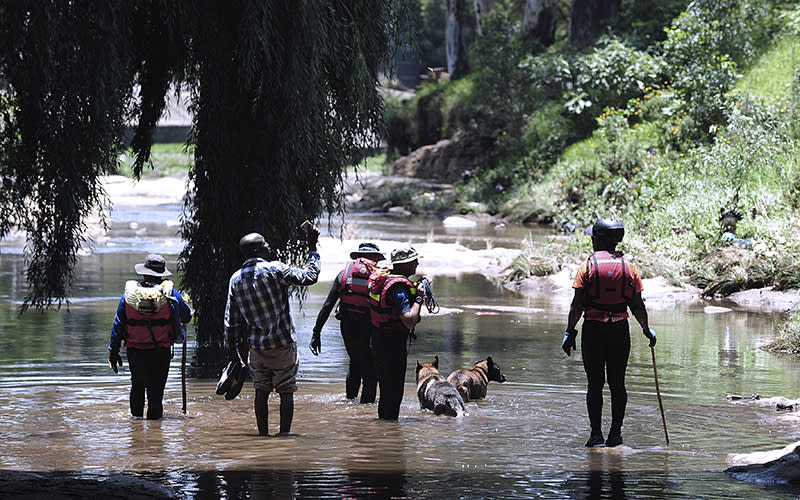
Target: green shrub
(705,48)
(788,337)
(609,76)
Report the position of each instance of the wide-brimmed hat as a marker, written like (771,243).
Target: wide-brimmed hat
(401,255)
(365,250)
(153,265)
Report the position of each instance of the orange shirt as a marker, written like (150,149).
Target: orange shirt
(594,314)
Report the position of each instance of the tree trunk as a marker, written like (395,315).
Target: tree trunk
(539,21)
(454,38)
(482,7)
(587,18)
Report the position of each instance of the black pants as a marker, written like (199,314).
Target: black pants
(149,369)
(390,351)
(356,336)
(605,348)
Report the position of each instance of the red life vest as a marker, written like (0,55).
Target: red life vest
(149,322)
(609,286)
(353,291)
(382,314)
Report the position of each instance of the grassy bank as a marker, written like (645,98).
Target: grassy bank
(165,160)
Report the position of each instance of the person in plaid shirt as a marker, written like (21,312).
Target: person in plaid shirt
(258,309)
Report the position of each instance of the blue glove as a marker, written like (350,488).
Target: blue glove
(650,335)
(568,344)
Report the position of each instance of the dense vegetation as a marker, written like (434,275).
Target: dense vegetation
(665,132)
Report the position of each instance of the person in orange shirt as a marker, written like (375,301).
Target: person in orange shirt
(606,285)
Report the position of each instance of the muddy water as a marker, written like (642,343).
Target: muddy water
(63,410)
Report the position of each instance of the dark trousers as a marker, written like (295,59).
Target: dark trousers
(356,337)
(149,369)
(605,348)
(390,351)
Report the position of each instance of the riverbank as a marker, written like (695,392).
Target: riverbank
(453,259)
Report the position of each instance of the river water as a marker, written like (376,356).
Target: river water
(65,411)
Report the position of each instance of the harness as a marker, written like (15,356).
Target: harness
(353,288)
(149,316)
(609,286)
(382,313)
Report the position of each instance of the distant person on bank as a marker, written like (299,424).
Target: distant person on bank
(151,317)
(396,304)
(257,310)
(606,285)
(349,289)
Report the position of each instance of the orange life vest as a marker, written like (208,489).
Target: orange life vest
(353,290)
(382,314)
(149,320)
(609,286)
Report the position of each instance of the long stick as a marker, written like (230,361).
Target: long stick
(183,374)
(658,393)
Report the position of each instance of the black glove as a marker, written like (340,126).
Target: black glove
(114,361)
(568,344)
(312,235)
(650,335)
(316,344)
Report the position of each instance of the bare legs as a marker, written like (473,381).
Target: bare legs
(262,412)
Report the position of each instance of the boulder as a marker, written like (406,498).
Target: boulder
(773,467)
(449,160)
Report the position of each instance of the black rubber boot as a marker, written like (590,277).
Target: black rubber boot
(594,440)
(614,440)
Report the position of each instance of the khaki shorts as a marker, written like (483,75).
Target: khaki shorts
(275,369)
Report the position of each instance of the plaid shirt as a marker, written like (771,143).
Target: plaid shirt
(258,302)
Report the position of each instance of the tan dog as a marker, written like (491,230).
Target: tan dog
(435,393)
(472,383)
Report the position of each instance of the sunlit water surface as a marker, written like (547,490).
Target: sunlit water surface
(63,410)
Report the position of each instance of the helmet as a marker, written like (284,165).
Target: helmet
(607,228)
(252,244)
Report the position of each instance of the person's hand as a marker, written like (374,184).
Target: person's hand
(114,361)
(650,334)
(316,344)
(568,343)
(312,235)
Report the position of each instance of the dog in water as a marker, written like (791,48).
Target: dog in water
(435,393)
(472,383)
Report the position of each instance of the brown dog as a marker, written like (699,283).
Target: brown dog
(472,383)
(435,393)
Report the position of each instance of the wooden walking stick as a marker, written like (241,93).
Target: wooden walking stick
(658,393)
(183,375)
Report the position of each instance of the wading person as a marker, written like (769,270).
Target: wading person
(258,309)
(150,318)
(350,290)
(606,285)
(395,311)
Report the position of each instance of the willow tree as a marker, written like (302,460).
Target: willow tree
(284,95)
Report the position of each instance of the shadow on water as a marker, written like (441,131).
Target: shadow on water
(64,412)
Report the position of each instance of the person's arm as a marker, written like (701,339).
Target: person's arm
(408,309)
(324,313)
(576,308)
(639,312)
(118,328)
(305,276)
(231,321)
(117,334)
(184,312)
(330,302)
